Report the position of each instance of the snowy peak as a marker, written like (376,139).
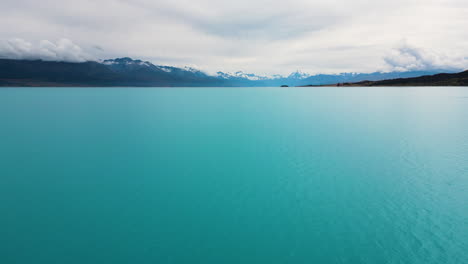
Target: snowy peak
(241,75)
(298,75)
(193,70)
(249,76)
(223,75)
(127,61)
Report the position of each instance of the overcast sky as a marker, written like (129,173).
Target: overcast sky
(259,36)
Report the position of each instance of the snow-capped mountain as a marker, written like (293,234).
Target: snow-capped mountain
(241,75)
(139,67)
(298,75)
(130,64)
(126,61)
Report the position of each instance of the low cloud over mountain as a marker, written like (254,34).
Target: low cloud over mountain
(410,58)
(62,50)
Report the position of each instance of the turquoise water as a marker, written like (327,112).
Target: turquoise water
(240,175)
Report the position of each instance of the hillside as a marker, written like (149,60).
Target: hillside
(441,79)
(119,72)
(138,73)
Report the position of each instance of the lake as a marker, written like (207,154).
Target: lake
(234,175)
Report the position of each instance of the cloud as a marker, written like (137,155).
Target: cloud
(261,36)
(62,50)
(252,20)
(408,58)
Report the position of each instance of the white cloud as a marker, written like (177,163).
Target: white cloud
(62,50)
(408,58)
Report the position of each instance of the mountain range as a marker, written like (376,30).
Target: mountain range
(129,72)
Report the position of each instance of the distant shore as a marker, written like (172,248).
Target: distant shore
(442,79)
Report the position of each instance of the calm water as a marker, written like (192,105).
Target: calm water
(240,175)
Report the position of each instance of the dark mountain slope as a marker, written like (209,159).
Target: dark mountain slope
(119,72)
(441,79)
(86,73)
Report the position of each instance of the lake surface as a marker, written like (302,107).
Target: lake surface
(234,175)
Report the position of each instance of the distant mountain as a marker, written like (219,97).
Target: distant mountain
(298,75)
(118,72)
(302,79)
(45,73)
(442,79)
(322,79)
(129,66)
(240,75)
(129,72)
